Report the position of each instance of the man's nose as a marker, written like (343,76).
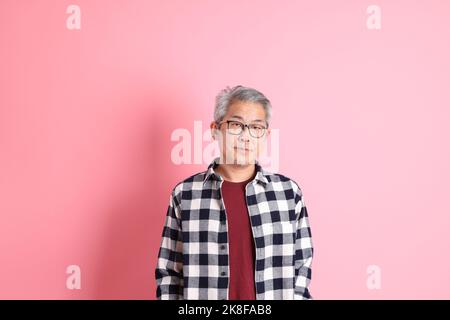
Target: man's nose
(245,134)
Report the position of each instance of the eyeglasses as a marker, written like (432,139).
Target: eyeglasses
(237,127)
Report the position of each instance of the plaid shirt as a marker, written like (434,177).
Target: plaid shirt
(193,257)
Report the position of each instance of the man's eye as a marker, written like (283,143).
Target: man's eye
(235,124)
(256,127)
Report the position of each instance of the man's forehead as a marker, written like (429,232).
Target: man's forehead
(236,116)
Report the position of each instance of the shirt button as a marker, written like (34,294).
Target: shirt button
(222,273)
(223,222)
(222,247)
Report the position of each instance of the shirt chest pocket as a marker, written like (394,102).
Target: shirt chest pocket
(280,231)
(280,238)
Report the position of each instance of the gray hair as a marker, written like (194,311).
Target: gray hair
(227,96)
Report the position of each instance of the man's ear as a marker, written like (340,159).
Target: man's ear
(213,128)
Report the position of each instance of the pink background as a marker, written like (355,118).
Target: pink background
(86,118)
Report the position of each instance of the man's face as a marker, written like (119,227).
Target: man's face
(242,147)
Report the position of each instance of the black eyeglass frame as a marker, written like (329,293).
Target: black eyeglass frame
(243,126)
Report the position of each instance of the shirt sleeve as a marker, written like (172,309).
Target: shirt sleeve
(303,251)
(169,269)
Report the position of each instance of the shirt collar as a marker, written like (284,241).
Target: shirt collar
(211,174)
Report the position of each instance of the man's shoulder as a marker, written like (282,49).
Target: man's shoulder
(188,183)
(282,179)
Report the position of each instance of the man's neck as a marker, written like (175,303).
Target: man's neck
(235,172)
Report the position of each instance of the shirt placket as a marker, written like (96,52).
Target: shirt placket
(257,233)
(224,270)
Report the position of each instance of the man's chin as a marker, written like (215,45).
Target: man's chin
(243,160)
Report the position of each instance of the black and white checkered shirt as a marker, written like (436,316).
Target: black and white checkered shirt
(193,258)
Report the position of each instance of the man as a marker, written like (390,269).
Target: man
(236,231)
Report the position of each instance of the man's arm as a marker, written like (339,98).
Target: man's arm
(303,251)
(169,269)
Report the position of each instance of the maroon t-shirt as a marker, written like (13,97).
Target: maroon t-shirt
(241,243)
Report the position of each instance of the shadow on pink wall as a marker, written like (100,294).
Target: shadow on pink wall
(126,266)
